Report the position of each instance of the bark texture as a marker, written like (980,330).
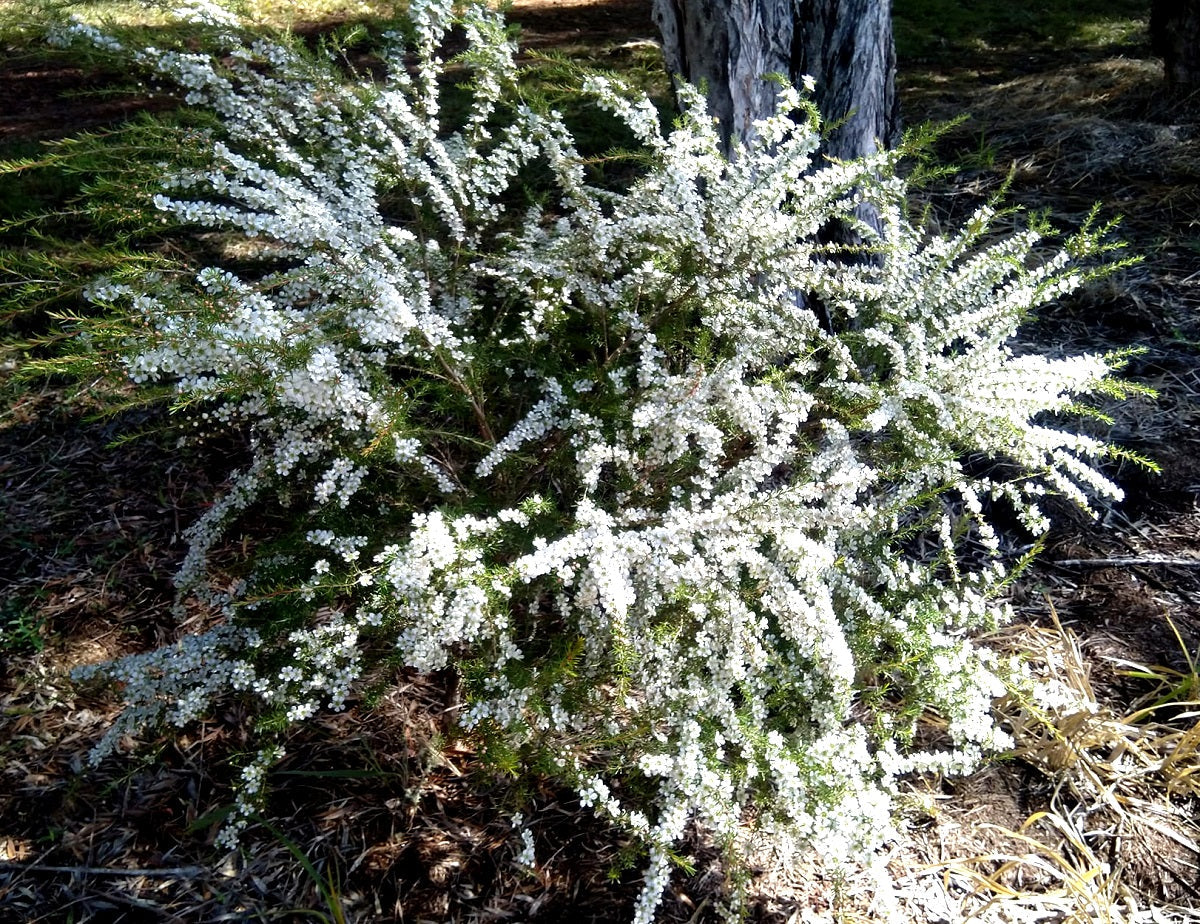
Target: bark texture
(846,45)
(1175,37)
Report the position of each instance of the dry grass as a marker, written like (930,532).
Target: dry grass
(1093,820)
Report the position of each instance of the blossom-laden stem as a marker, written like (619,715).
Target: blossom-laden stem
(756,571)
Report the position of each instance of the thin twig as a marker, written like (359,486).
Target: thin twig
(699,911)
(1127,562)
(179,872)
(476,406)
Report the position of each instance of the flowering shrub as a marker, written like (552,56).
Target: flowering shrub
(690,549)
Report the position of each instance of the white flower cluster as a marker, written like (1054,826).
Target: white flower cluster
(526,857)
(174,684)
(206,12)
(73,30)
(675,534)
(249,795)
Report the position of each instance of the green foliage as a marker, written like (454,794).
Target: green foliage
(559,420)
(21,629)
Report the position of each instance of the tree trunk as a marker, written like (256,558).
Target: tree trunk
(846,45)
(1175,37)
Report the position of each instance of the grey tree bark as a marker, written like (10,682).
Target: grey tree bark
(845,45)
(1175,37)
